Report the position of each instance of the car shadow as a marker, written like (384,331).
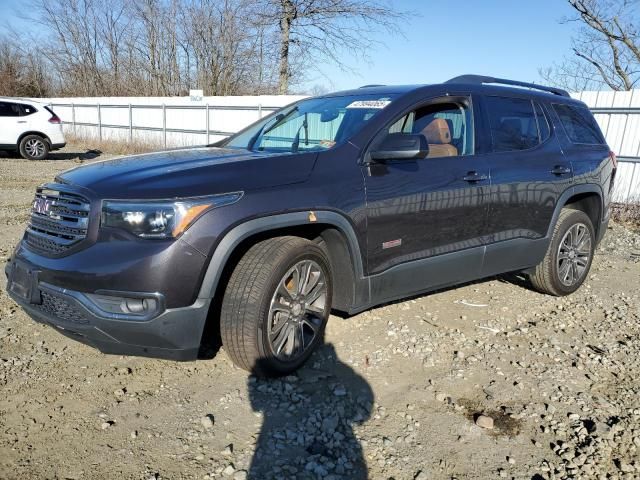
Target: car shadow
(308,420)
(87,155)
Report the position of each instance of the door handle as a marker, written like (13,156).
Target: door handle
(472,177)
(560,170)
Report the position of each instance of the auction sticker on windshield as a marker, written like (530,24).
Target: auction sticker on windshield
(369,104)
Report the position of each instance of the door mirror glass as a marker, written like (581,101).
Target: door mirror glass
(401,146)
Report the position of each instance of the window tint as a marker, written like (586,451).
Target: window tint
(27,109)
(513,124)
(9,109)
(446,126)
(543,123)
(579,124)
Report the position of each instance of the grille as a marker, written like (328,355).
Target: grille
(58,221)
(60,308)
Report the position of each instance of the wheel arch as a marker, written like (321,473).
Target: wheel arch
(585,197)
(331,229)
(33,132)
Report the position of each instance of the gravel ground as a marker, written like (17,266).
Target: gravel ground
(488,380)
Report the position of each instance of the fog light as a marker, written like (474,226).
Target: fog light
(130,306)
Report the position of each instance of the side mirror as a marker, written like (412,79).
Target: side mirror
(401,146)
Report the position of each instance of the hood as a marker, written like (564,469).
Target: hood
(190,172)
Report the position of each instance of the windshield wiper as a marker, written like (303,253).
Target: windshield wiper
(296,140)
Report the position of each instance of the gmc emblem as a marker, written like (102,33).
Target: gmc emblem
(42,206)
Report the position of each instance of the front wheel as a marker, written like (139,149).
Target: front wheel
(569,256)
(276,305)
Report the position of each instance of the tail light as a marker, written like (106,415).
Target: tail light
(54,118)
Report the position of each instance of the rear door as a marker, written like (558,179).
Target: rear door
(12,124)
(529,172)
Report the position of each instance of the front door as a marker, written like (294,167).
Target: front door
(423,209)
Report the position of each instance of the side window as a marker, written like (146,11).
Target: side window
(9,109)
(27,110)
(447,127)
(579,124)
(543,123)
(513,124)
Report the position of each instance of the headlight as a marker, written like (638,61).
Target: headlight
(160,219)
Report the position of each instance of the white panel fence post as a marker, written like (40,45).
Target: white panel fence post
(99,123)
(207,121)
(164,125)
(73,117)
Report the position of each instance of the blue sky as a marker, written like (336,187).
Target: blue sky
(504,38)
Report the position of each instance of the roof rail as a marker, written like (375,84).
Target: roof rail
(372,85)
(480,79)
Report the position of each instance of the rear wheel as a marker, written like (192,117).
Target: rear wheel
(569,256)
(276,305)
(34,147)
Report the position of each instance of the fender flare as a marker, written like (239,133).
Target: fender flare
(273,222)
(570,192)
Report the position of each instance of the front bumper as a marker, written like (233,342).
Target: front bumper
(173,334)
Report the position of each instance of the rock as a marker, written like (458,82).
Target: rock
(484,421)
(134,434)
(421,475)
(441,397)
(207,421)
(240,475)
(228,471)
(228,450)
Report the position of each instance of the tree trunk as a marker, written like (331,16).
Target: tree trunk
(286,17)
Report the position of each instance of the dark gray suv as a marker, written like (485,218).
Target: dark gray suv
(334,203)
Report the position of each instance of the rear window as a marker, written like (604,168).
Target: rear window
(579,124)
(513,124)
(27,109)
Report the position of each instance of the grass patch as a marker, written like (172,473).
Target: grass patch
(627,213)
(114,147)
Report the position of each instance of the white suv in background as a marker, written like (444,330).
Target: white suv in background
(29,127)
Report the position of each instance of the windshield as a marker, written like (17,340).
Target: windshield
(313,124)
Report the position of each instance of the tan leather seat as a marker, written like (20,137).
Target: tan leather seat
(439,139)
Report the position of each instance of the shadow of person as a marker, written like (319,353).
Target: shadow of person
(308,418)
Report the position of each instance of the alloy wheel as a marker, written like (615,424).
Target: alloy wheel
(34,147)
(574,254)
(297,310)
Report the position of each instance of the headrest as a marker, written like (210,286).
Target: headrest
(437,132)
(511,125)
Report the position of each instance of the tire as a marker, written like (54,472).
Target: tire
(34,147)
(562,272)
(262,306)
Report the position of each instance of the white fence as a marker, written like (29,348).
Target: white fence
(174,121)
(618,114)
(170,121)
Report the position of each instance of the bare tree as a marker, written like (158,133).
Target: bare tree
(315,31)
(606,48)
(22,71)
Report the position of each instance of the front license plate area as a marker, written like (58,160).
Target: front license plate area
(23,282)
